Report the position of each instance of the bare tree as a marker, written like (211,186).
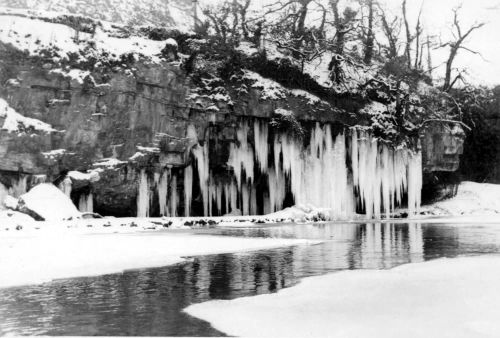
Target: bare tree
(344,24)
(367,29)
(460,36)
(409,37)
(418,45)
(429,57)
(391,29)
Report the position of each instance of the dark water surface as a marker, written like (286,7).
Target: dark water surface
(150,301)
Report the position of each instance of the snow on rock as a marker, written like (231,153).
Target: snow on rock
(108,162)
(283,112)
(472,199)
(312,99)
(247,48)
(10,202)
(74,74)
(48,203)
(374,108)
(172,13)
(40,258)
(53,154)
(15,122)
(442,298)
(301,213)
(271,90)
(171,42)
(35,35)
(92,176)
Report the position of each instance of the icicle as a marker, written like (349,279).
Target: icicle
(4,192)
(383,175)
(201,155)
(39,179)
(143,195)
(162,190)
(86,203)
(260,132)
(253,201)
(277,190)
(21,186)
(188,190)
(227,197)
(245,200)
(218,199)
(65,186)
(241,156)
(414,183)
(234,196)
(173,196)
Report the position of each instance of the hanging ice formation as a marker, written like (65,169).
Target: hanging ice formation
(343,173)
(86,203)
(143,195)
(65,186)
(382,175)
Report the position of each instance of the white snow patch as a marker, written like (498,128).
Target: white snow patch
(301,213)
(54,153)
(91,176)
(43,257)
(75,74)
(374,108)
(442,298)
(271,90)
(171,42)
(13,219)
(15,122)
(247,48)
(153,150)
(283,112)
(33,35)
(313,99)
(472,199)
(108,162)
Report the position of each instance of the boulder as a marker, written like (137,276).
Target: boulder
(46,202)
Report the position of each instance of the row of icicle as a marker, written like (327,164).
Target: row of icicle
(316,175)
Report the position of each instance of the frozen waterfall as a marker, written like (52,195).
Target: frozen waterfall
(343,173)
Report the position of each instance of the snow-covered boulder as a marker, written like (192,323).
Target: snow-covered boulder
(46,202)
(301,213)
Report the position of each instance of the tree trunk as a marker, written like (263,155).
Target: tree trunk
(370,38)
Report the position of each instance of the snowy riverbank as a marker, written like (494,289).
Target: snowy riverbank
(472,199)
(441,298)
(32,259)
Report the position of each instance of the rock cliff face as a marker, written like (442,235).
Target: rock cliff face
(442,145)
(141,139)
(139,119)
(442,148)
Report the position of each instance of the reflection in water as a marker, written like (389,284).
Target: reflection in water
(150,301)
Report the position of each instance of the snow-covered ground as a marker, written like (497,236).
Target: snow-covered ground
(34,36)
(441,298)
(472,199)
(32,259)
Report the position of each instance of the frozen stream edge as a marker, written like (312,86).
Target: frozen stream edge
(442,298)
(34,258)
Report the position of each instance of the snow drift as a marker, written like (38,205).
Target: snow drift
(472,199)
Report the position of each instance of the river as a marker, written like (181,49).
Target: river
(150,302)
